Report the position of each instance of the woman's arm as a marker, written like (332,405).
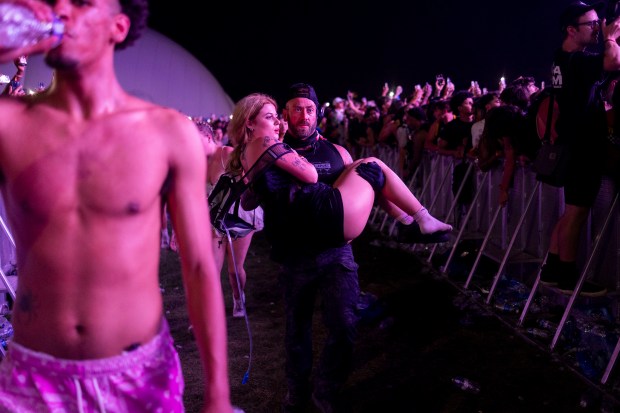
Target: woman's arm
(297,166)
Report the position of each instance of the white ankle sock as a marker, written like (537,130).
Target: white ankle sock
(428,223)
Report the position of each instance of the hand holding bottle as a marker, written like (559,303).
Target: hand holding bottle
(27,27)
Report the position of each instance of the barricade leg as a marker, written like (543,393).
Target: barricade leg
(584,272)
(612,362)
(459,236)
(511,243)
(483,246)
(530,298)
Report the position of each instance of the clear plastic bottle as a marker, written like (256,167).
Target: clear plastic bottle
(466,384)
(19,27)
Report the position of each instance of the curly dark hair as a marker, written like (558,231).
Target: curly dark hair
(138,13)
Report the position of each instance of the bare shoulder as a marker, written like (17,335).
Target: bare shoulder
(254,149)
(166,119)
(21,116)
(227,150)
(169,125)
(223,153)
(346,156)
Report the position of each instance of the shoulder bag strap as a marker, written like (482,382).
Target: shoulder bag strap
(266,159)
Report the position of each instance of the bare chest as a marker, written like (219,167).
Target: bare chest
(99,169)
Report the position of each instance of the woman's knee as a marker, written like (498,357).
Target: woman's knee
(233,270)
(373,159)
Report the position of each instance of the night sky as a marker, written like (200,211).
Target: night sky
(337,45)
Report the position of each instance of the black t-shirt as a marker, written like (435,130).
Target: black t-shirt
(324,156)
(578,77)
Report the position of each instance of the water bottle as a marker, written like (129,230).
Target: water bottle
(466,384)
(19,27)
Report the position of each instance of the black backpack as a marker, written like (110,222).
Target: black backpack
(225,198)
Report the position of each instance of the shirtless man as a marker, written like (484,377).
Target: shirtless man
(84,171)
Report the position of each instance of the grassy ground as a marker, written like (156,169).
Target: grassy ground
(412,342)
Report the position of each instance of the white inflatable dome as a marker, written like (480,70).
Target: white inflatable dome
(155,69)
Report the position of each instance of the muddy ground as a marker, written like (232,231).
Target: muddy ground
(413,340)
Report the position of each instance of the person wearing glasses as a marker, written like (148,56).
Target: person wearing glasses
(577,76)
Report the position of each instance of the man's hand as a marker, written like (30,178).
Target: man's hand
(372,173)
(43,12)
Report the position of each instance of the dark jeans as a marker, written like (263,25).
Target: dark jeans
(333,275)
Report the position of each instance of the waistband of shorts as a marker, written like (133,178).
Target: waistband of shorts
(159,346)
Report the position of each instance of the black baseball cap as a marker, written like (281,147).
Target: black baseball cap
(573,11)
(302,90)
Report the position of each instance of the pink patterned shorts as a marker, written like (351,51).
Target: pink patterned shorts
(147,379)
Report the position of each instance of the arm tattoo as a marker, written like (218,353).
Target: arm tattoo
(299,164)
(267,141)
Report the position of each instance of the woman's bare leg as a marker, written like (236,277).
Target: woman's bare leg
(218,245)
(240,249)
(392,210)
(358,197)
(235,256)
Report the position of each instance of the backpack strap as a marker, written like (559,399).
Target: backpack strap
(233,187)
(266,159)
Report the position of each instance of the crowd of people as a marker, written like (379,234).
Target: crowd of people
(86,197)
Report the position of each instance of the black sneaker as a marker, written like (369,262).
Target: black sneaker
(548,276)
(411,234)
(588,289)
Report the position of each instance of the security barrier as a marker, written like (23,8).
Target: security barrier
(505,248)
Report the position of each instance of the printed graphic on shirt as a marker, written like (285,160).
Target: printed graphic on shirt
(556,76)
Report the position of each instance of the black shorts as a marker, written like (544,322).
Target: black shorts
(583,180)
(318,214)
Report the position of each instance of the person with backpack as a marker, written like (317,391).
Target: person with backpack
(316,199)
(577,76)
(234,250)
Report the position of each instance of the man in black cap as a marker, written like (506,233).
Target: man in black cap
(577,76)
(320,265)
(315,267)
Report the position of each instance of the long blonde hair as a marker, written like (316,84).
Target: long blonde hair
(238,131)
